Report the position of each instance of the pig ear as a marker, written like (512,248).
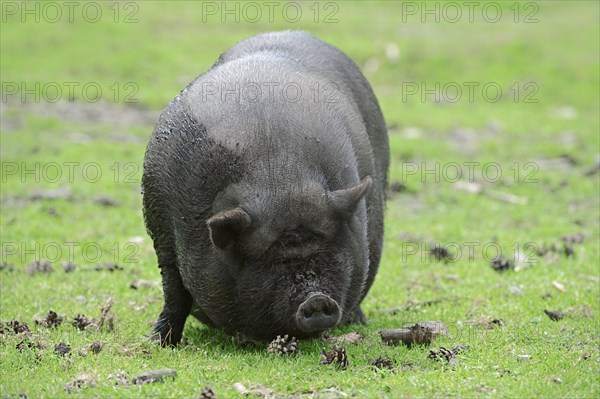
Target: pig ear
(225,227)
(345,201)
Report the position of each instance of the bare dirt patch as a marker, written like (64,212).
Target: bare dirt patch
(119,116)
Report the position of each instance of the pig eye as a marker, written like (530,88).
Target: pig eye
(298,236)
(317,235)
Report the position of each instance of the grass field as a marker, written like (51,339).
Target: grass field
(506,95)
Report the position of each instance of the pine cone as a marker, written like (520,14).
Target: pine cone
(69,267)
(447,354)
(283,345)
(81,321)
(383,362)
(443,353)
(62,348)
(39,267)
(501,264)
(459,348)
(555,315)
(337,355)
(52,319)
(208,393)
(17,326)
(441,254)
(26,343)
(96,347)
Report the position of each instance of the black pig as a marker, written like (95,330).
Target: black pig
(263,190)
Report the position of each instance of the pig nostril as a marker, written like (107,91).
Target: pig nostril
(318,313)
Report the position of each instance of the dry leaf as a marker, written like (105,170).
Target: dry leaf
(559,286)
(352,338)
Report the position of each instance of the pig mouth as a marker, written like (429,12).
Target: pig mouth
(317,313)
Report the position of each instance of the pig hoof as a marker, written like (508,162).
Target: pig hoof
(359,317)
(165,334)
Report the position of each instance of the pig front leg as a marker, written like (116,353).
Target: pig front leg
(357,317)
(178,304)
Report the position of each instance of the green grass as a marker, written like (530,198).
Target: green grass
(168,47)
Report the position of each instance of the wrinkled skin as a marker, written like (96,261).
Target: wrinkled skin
(267,215)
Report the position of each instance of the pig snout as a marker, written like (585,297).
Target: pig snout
(318,312)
